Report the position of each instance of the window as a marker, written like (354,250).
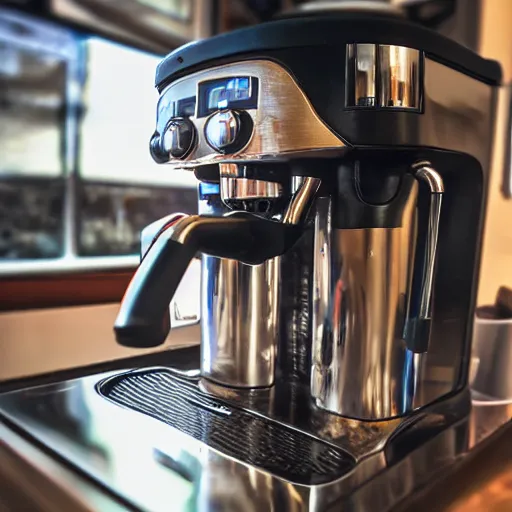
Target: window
(122,188)
(77,183)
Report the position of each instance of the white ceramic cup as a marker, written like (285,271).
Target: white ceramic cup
(492,348)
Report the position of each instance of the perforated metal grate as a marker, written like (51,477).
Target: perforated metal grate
(273,447)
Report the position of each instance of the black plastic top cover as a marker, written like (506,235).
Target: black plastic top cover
(335,29)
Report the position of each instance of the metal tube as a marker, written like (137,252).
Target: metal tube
(418,323)
(301,201)
(436,185)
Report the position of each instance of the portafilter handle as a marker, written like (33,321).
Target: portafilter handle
(143,318)
(418,321)
(152,231)
(149,235)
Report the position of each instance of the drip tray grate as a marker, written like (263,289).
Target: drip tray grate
(270,446)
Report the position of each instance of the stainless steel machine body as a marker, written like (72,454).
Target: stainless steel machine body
(341,197)
(363,286)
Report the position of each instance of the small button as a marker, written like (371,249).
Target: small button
(179,137)
(222,130)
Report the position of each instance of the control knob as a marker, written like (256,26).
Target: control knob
(177,140)
(228,131)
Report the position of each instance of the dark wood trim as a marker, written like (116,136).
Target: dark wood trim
(67,289)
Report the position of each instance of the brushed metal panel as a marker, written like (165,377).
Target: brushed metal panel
(284,122)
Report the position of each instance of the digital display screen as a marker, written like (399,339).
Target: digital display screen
(232,92)
(207,189)
(236,89)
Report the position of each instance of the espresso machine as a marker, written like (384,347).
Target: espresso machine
(343,163)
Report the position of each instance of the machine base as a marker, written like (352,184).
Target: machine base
(193,458)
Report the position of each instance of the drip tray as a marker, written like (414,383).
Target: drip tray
(273,447)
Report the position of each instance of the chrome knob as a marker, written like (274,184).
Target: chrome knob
(178,138)
(228,130)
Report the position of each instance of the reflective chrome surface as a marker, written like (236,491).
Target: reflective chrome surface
(284,122)
(240,189)
(424,171)
(240,303)
(240,321)
(372,6)
(421,293)
(372,308)
(399,77)
(239,311)
(383,76)
(302,199)
(152,465)
(231,170)
(222,129)
(245,188)
(178,139)
(360,366)
(361,75)
(32,480)
(451,120)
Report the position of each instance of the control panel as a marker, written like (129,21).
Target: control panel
(245,110)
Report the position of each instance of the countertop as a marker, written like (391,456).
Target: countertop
(482,482)
(64,424)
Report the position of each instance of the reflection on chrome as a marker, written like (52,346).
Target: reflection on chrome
(418,323)
(153,465)
(240,189)
(240,303)
(360,367)
(383,76)
(240,321)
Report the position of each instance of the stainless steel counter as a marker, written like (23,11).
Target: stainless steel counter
(154,467)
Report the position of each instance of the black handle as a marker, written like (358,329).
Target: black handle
(142,320)
(128,334)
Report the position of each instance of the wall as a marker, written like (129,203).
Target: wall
(496,43)
(47,340)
